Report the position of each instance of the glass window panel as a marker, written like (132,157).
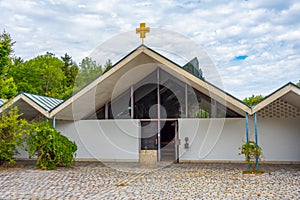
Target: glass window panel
(149,139)
(119,108)
(172,92)
(101,113)
(145,98)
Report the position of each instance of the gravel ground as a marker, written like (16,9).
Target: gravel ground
(89,180)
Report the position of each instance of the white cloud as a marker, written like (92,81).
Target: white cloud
(264,30)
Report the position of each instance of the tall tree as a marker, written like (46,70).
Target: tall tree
(6,50)
(88,71)
(8,88)
(70,70)
(41,75)
(254,99)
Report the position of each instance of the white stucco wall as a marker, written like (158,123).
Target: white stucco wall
(105,140)
(279,139)
(211,139)
(216,140)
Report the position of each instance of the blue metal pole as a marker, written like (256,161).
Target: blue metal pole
(247,133)
(54,121)
(247,128)
(256,139)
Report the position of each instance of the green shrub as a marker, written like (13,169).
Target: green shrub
(12,130)
(51,148)
(250,149)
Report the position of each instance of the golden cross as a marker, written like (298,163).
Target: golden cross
(142,31)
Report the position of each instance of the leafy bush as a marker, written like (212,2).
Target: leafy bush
(51,148)
(12,130)
(250,149)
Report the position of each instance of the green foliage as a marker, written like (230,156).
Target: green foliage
(6,50)
(89,70)
(253,99)
(12,130)
(108,66)
(45,74)
(70,70)
(298,84)
(201,114)
(41,75)
(8,88)
(51,148)
(250,149)
(17,61)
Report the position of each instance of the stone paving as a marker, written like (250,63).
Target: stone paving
(130,181)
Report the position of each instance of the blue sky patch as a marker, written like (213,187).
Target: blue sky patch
(243,57)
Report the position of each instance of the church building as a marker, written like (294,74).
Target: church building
(147,108)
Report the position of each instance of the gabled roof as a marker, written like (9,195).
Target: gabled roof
(47,103)
(289,93)
(31,105)
(99,91)
(91,97)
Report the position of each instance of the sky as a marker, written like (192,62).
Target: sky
(254,45)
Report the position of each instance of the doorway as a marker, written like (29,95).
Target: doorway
(164,142)
(168,141)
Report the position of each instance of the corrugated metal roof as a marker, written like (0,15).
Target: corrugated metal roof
(1,102)
(46,103)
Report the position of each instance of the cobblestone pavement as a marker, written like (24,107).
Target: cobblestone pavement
(130,181)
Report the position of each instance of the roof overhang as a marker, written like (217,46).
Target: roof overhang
(289,93)
(137,65)
(26,106)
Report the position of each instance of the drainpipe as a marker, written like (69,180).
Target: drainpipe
(247,133)
(247,128)
(54,121)
(256,139)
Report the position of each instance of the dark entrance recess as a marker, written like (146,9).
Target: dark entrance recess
(168,135)
(167,140)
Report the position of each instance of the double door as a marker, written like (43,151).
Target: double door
(160,135)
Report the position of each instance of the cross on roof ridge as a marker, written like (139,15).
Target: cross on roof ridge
(142,30)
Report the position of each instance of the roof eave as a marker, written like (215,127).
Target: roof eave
(289,87)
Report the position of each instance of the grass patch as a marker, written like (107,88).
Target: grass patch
(253,171)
